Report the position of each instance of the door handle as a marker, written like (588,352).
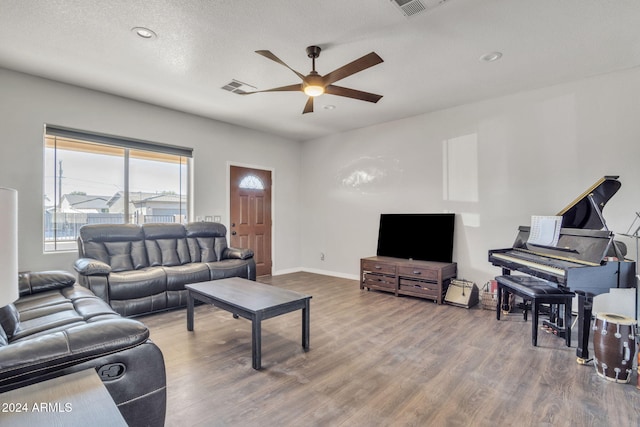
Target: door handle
(233,233)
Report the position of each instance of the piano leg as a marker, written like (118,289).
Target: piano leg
(499,304)
(585,304)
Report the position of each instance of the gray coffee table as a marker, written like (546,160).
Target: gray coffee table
(253,301)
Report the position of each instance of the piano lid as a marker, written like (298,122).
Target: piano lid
(581,213)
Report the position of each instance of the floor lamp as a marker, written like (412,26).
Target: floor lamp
(8,246)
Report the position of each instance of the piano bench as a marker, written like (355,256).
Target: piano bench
(538,291)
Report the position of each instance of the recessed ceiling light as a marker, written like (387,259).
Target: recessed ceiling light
(491,56)
(143,32)
(329,107)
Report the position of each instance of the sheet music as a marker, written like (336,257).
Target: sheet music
(545,230)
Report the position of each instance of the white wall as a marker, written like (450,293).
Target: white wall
(27,103)
(537,151)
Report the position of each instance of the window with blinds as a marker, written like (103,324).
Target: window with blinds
(94,178)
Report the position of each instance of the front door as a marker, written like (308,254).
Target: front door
(250,214)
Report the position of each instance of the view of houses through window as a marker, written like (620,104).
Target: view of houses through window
(96,183)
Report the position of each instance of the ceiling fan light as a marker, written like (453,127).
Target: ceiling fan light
(313,90)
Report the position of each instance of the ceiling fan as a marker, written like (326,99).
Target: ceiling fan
(313,84)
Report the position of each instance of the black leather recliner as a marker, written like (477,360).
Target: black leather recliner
(143,269)
(57,327)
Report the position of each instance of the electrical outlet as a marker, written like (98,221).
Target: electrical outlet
(321,256)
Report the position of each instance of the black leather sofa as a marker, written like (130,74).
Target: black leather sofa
(143,269)
(57,327)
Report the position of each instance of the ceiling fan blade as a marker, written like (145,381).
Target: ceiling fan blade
(356,66)
(271,56)
(352,93)
(308,107)
(290,88)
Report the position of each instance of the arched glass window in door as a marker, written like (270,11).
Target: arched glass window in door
(252,182)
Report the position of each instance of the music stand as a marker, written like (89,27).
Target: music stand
(635,235)
(635,232)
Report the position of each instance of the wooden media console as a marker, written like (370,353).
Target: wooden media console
(422,279)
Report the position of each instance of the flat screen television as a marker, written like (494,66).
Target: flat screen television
(426,237)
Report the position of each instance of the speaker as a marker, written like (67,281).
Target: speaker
(462,293)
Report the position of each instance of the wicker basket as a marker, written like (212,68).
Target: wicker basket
(488,299)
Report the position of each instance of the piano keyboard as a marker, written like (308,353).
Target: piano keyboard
(529,263)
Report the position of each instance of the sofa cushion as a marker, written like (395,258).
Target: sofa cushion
(119,255)
(47,322)
(119,245)
(92,308)
(122,256)
(133,284)
(77,292)
(143,305)
(207,240)
(205,229)
(39,301)
(54,311)
(47,311)
(59,346)
(181,275)
(166,244)
(39,281)
(201,249)
(33,309)
(167,252)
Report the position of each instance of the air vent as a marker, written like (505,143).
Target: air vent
(413,7)
(238,87)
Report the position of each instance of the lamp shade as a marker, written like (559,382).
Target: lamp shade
(313,85)
(313,90)
(8,246)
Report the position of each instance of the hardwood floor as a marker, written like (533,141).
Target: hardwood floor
(378,360)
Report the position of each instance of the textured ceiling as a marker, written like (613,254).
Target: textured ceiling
(431,59)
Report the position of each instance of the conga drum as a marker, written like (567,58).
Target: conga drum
(614,346)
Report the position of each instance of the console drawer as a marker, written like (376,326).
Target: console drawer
(378,267)
(418,273)
(419,288)
(379,281)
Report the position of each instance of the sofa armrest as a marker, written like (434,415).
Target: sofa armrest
(42,281)
(52,352)
(91,267)
(237,253)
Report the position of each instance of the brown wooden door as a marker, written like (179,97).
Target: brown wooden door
(250,210)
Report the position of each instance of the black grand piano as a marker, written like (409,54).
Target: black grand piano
(585,260)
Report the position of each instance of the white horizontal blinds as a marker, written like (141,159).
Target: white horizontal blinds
(134,144)
(96,178)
